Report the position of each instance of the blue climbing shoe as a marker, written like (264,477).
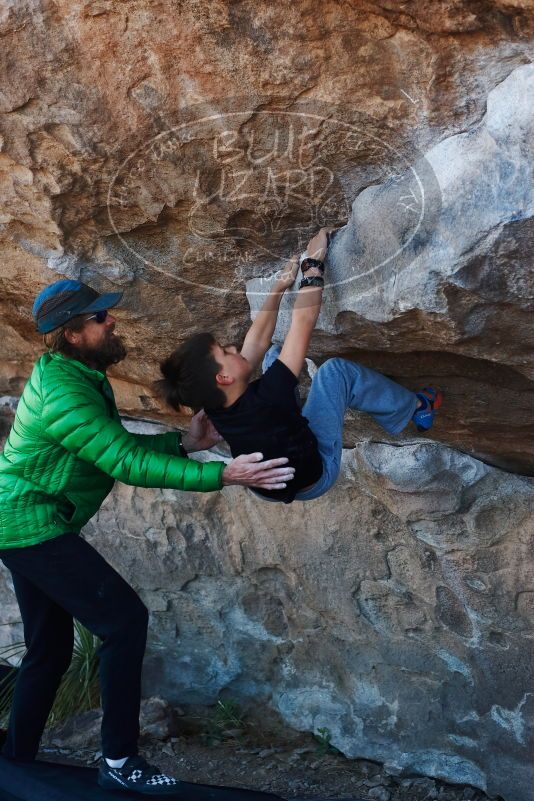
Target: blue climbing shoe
(431,399)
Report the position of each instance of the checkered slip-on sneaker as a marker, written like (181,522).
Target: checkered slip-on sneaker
(137,776)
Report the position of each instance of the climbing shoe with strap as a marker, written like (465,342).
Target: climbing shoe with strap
(431,399)
(137,776)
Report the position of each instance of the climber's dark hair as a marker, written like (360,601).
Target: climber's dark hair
(189,375)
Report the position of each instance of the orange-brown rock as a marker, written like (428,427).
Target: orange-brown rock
(179,150)
(86,83)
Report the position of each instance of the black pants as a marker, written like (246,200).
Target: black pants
(55,581)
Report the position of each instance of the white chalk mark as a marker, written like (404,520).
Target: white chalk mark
(409,98)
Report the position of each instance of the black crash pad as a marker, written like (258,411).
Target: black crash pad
(48,781)
(6,670)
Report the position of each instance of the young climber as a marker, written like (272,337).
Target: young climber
(264,414)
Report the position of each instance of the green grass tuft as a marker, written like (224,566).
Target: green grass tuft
(79,690)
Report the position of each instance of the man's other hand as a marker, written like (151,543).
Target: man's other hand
(202,434)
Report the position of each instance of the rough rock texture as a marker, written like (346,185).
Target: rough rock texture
(437,261)
(179,150)
(157,721)
(397,611)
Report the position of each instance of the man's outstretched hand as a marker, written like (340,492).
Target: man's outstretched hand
(249,470)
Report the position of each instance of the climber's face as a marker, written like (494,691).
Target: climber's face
(234,367)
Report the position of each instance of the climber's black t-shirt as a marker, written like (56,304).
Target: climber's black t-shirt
(267,418)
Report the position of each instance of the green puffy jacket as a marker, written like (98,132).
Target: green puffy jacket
(67,447)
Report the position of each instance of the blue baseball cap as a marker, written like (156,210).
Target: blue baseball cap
(58,303)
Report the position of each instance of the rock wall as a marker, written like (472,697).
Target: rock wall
(397,611)
(177,150)
(181,150)
(435,261)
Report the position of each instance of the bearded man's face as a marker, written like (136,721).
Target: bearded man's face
(101,356)
(96,344)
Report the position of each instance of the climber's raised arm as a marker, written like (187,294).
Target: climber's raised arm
(307,305)
(258,338)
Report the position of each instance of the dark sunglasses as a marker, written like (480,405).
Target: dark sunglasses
(99,316)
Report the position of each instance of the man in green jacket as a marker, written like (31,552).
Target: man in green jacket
(65,450)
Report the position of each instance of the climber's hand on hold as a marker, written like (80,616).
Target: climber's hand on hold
(318,245)
(287,275)
(260,333)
